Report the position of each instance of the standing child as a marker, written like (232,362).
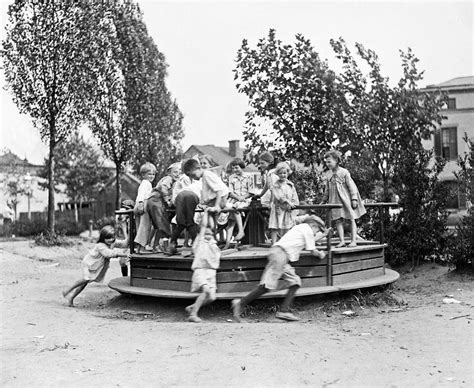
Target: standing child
(285,251)
(284,199)
(96,262)
(341,189)
(205,264)
(240,192)
(266,166)
(147,173)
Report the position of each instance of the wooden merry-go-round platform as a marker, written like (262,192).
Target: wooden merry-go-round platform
(161,275)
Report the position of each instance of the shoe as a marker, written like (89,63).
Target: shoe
(172,249)
(236,309)
(286,316)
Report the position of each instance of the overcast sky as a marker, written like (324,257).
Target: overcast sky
(200,40)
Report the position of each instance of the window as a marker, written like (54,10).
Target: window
(451,103)
(446,143)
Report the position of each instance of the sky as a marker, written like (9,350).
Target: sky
(200,40)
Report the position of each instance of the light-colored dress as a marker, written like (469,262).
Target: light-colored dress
(283,194)
(269,178)
(241,185)
(96,262)
(340,188)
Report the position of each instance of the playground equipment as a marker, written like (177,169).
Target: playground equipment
(161,275)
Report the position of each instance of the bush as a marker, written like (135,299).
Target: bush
(308,185)
(101,222)
(27,228)
(49,239)
(68,227)
(461,246)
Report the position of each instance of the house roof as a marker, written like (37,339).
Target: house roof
(126,175)
(11,159)
(219,154)
(457,83)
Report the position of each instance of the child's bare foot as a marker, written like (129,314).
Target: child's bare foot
(239,236)
(70,301)
(189,309)
(341,244)
(236,309)
(352,244)
(226,246)
(194,318)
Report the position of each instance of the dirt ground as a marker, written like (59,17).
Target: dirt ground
(125,341)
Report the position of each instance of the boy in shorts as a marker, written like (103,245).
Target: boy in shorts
(206,261)
(282,253)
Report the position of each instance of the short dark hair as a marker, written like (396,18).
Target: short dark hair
(190,165)
(237,162)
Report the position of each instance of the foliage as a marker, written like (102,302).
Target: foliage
(26,228)
(80,167)
(419,230)
(383,122)
(308,185)
(101,222)
(133,115)
(293,99)
(49,54)
(49,239)
(461,250)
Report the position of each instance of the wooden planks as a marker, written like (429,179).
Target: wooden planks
(241,271)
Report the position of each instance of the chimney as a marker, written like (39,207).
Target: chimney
(234,149)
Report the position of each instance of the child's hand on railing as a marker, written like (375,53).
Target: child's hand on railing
(318,253)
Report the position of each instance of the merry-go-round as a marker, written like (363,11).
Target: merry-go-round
(169,276)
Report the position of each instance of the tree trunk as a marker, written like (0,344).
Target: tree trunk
(118,185)
(76,214)
(51,186)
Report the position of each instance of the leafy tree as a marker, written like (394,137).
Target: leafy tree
(293,98)
(80,167)
(48,54)
(158,141)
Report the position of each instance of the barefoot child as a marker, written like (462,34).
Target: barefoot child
(341,189)
(96,262)
(284,199)
(205,263)
(142,219)
(281,254)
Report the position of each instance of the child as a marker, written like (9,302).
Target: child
(265,165)
(284,199)
(240,192)
(285,251)
(340,188)
(205,264)
(123,221)
(147,172)
(96,262)
(159,200)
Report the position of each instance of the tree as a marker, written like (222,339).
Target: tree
(133,116)
(384,130)
(49,53)
(293,98)
(161,132)
(80,167)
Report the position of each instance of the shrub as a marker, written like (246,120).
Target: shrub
(101,222)
(308,185)
(68,227)
(461,247)
(49,239)
(27,228)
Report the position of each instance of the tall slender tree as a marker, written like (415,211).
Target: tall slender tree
(49,53)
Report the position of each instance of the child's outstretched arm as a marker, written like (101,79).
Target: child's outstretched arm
(318,253)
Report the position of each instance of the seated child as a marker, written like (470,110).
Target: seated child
(96,263)
(240,194)
(284,199)
(285,251)
(158,202)
(205,264)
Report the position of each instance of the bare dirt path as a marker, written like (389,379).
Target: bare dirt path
(108,341)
